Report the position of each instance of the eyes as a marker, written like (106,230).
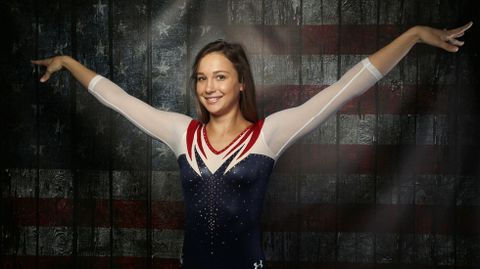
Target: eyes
(218,77)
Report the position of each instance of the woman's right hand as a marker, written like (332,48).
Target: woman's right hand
(53,65)
(445,39)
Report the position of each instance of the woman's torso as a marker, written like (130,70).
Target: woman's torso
(224,192)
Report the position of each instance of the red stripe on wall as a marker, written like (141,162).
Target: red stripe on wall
(360,159)
(316,39)
(410,99)
(168,215)
(420,219)
(127,213)
(11,262)
(358,265)
(61,262)
(51,211)
(346,39)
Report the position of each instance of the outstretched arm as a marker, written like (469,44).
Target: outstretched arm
(167,127)
(387,57)
(283,128)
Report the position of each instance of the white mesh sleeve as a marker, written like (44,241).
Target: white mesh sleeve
(284,127)
(167,127)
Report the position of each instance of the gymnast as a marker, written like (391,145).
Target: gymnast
(227,155)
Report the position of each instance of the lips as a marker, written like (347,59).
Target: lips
(213,99)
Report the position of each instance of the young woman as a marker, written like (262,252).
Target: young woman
(227,155)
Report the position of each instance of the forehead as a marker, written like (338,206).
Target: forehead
(215,61)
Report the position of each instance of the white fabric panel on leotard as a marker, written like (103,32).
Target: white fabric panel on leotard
(168,127)
(280,130)
(284,127)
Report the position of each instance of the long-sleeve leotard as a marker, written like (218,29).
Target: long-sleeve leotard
(280,129)
(165,126)
(224,188)
(283,128)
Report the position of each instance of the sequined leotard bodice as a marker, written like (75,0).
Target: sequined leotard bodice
(224,190)
(224,195)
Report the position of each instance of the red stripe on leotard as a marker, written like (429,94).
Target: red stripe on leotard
(256,133)
(205,135)
(240,142)
(190,134)
(199,141)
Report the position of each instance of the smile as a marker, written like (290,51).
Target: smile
(213,99)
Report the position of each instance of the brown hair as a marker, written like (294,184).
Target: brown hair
(236,54)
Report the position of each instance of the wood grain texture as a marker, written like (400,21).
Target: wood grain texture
(93,49)
(389,181)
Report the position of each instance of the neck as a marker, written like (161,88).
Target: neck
(230,122)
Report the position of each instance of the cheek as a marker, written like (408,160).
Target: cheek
(230,89)
(198,89)
(198,93)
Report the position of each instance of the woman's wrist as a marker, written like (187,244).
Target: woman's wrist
(414,32)
(65,60)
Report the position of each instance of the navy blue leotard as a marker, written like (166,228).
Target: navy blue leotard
(224,190)
(223,203)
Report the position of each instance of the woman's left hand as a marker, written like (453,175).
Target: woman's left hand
(445,39)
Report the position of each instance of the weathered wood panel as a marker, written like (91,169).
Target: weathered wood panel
(54,38)
(92,49)
(18,102)
(93,37)
(170,73)
(388,181)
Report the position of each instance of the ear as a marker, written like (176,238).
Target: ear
(242,87)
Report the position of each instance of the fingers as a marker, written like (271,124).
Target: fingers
(460,30)
(463,28)
(453,35)
(43,62)
(37,62)
(467,26)
(45,77)
(456,42)
(458,35)
(452,43)
(448,47)
(50,68)
(447,43)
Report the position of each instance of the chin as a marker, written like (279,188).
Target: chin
(216,111)
(213,108)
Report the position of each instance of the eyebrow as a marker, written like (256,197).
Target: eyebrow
(214,72)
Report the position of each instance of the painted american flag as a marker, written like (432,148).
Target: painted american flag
(390,181)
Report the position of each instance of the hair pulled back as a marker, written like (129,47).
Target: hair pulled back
(236,54)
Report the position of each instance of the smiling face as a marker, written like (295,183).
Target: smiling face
(217,84)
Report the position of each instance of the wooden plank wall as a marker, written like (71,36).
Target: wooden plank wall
(389,181)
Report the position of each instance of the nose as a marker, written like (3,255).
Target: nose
(210,87)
